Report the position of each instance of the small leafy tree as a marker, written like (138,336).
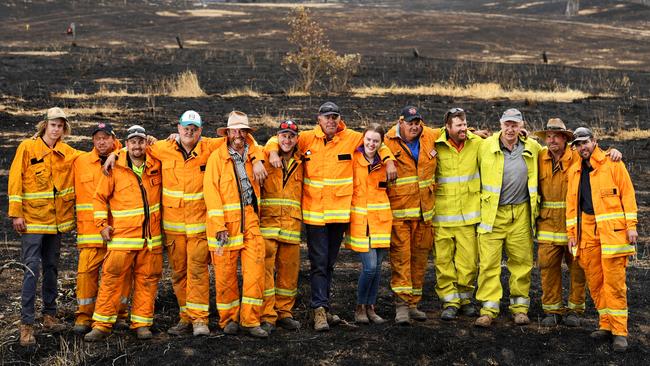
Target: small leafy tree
(340,70)
(313,58)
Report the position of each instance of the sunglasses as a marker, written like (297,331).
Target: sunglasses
(288,125)
(453,112)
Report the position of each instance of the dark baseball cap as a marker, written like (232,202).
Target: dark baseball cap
(105,127)
(329,108)
(581,134)
(410,113)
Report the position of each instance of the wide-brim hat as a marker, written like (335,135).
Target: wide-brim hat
(236,120)
(555,125)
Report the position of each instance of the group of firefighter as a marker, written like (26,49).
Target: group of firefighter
(405,193)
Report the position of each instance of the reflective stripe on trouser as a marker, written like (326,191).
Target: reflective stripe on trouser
(549,258)
(512,232)
(456,253)
(248,309)
(90,262)
(606,280)
(146,268)
(190,254)
(282,263)
(410,244)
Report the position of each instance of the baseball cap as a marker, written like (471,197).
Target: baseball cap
(328,108)
(56,112)
(581,134)
(104,127)
(288,126)
(513,115)
(409,113)
(136,131)
(190,118)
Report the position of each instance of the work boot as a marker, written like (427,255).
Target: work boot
(449,313)
(571,320)
(332,319)
(95,335)
(143,333)
(200,328)
(372,316)
(256,332)
(620,343)
(521,319)
(181,328)
(320,320)
(267,327)
(288,323)
(601,334)
(52,324)
(360,316)
(121,325)
(27,335)
(231,328)
(402,313)
(550,320)
(483,321)
(81,329)
(416,314)
(469,310)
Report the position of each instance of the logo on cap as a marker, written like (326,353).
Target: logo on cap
(101,125)
(413,111)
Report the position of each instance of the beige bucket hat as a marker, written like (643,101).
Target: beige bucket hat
(236,120)
(555,125)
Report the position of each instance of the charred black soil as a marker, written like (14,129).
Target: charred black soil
(37,64)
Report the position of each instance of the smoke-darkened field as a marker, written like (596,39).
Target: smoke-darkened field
(598,71)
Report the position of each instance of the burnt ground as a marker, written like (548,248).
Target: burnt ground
(599,52)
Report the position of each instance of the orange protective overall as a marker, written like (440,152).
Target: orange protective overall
(183,210)
(226,211)
(552,238)
(136,244)
(412,200)
(602,239)
(280,223)
(92,249)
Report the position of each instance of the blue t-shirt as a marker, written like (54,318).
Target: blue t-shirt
(415,148)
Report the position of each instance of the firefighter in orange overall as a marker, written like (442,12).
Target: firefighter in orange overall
(280,223)
(554,162)
(41,206)
(601,221)
(92,248)
(370,221)
(233,229)
(131,194)
(326,200)
(412,198)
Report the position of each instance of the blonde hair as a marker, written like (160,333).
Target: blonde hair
(42,126)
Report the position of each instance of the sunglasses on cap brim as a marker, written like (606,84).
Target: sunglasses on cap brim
(288,125)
